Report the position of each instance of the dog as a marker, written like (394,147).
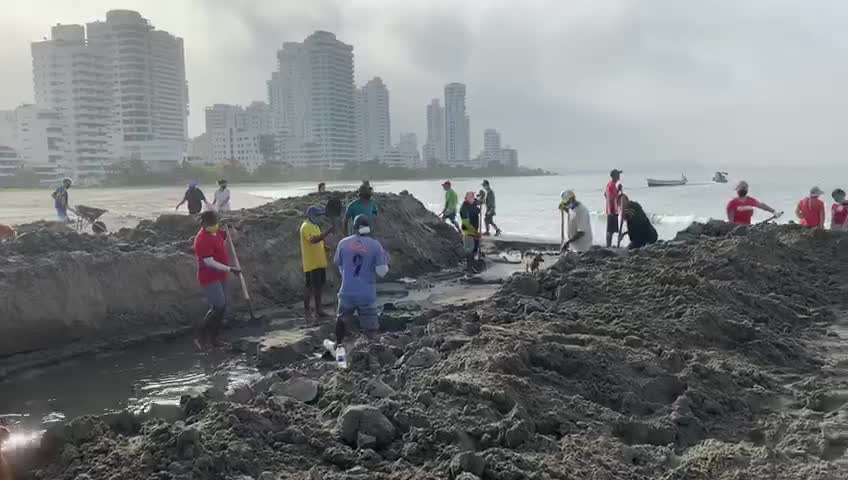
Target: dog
(7,232)
(532,261)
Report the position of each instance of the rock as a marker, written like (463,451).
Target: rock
(267,476)
(168,412)
(467,476)
(188,438)
(85,429)
(425,357)
(240,393)
(468,462)
(379,389)
(298,388)
(517,434)
(368,420)
(314,473)
(282,348)
(122,422)
(364,441)
(565,293)
(454,342)
(533,306)
(83,476)
(524,284)
(193,404)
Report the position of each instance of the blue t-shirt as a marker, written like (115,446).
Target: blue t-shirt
(357,257)
(358,207)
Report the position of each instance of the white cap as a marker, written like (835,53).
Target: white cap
(566,195)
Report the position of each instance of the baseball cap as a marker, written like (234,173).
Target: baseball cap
(816,191)
(485,182)
(616,171)
(314,211)
(566,195)
(743,185)
(446,182)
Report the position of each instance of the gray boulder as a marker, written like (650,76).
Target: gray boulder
(299,388)
(367,420)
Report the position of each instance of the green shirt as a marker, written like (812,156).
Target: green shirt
(451,200)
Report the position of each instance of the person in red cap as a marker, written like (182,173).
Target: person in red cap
(740,210)
(611,193)
(810,210)
(451,201)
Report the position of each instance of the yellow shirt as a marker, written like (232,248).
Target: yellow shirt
(312,253)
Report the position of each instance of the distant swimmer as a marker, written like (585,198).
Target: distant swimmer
(222,197)
(314,260)
(195,198)
(469,213)
(212,269)
(839,211)
(579,223)
(451,201)
(364,205)
(612,204)
(489,217)
(360,260)
(60,199)
(740,210)
(810,210)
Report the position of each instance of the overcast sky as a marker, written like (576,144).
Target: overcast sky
(569,83)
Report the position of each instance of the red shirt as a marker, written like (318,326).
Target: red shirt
(812,212)
(839,211)
(741,209)
(209,245)
(611,194)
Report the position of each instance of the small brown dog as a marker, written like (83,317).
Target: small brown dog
(7,232)
(532,261)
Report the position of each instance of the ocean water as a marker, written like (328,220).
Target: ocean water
(526,206)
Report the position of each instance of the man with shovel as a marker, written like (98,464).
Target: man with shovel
(212,269)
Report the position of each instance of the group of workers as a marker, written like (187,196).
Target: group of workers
(469,212)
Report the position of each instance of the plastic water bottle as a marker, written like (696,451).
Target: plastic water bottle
(341,359)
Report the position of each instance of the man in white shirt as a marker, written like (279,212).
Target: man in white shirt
(579,223)
(222,197)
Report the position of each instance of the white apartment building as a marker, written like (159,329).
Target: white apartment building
(235,133)
(491,146)
(373,121)
(457,125)
(434,147)
(9,161)
(408,148)
(509,157)
(38,138)
(149,97)
(72,78)
(120,85)
(312,97)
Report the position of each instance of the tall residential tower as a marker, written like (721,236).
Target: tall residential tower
(457,140)
(373,121)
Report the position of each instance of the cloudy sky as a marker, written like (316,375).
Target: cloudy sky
(572,84)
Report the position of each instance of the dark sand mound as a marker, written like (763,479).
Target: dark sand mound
(698,359)
(57,286)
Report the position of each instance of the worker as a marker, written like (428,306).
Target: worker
(212,270)
(579,223)
(61,199)
(810,210)
(363,205)
(839,211)
(612,204)
(221,202)
(490,209)
(451,201)
(639,228)
(360,260)
(314,260)
(740,210)
(469,214)
(195,198)
(322,187)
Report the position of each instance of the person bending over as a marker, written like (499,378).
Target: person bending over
(212,269)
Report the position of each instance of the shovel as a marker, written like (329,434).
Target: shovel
(253,317)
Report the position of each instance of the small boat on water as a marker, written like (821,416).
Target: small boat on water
(653,182)
(720,177)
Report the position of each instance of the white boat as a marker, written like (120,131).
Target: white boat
(720,177)
(653,182)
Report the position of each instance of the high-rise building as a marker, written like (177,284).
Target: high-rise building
(121,87)
(312,97)
(38,138)
(73,78)
(509,157)
(491,146)
(408,148)
(146,68)
(434,147)
(373,121)
(235,133)
(457,123)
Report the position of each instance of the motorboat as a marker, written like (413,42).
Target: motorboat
(653,182)
(720,177)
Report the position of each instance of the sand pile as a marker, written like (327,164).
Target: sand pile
(697,359)
(58,287)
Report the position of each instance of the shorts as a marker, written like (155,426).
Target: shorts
(612,223)
(315,279)
(367,314)
(471,245)
(62,214)
(216,294)
(449,216)
(489,216)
